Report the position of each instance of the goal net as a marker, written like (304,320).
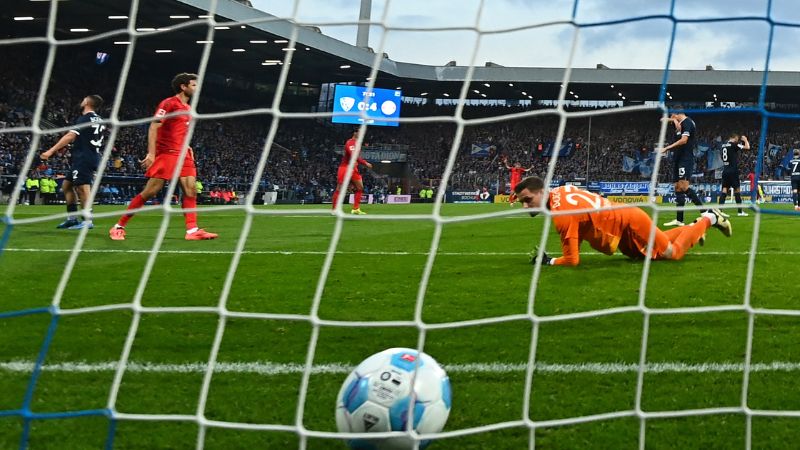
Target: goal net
(245,341)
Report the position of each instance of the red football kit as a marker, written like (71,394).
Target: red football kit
(169,139)
(516,175)
(349,148)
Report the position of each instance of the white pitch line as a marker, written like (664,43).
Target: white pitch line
(271,368)
(342,252)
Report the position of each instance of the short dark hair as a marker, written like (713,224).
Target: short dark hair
(532,184)
(96,101)
(735,135)
(182,79)
(797,153)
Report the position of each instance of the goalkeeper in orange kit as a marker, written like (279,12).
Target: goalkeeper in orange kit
(626,229)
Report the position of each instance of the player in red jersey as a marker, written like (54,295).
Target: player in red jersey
(516,175)
(164,141)
(355,179)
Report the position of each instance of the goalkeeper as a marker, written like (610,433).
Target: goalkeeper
(626,229)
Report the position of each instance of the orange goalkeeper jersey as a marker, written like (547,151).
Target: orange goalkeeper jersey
(602,229)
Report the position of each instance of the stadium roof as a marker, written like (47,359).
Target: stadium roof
(242,51)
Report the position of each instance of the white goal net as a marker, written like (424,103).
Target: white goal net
(653,360)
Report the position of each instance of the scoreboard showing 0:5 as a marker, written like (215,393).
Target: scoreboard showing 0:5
(377,105)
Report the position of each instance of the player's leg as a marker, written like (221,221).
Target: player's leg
(336,195)
(340,173)
(679,175)
(737,194)
(726,190)
(189,201)
(150,190)
(723,195)
(188,183)
(636,236)
(680,201)
(684,174)
(83,190)
(358,186)
(687,236)
(693,195)
(82,184)
(684,238)
(796,193)
(72,204)
(157,175)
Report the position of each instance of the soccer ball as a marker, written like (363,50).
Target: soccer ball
(375,398)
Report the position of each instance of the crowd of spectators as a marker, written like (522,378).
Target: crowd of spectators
(305,153)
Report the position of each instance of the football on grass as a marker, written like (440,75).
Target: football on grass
(377,395)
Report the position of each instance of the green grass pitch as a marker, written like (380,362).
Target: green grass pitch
(482,271)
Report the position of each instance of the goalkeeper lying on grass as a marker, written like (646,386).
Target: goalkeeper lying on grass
(626,229)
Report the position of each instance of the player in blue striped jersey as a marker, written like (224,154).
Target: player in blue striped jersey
(86,136)
(730,172)
(794,167)
(683,162)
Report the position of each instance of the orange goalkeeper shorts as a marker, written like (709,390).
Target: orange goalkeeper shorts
(636,234)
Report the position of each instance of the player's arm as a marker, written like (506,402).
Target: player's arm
(746,143)
(571,254)
(679,143)
(570,248)
(570,243)
(152,136)
(359,160)
(65,140)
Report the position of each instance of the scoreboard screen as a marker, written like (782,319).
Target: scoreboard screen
(354,104)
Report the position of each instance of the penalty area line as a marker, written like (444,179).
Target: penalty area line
(273,368)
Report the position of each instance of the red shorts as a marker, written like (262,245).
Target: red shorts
(343,170)
(164,166)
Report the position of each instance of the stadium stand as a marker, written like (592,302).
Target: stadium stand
(302,164)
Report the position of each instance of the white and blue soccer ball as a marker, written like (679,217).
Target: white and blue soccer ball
(376,396)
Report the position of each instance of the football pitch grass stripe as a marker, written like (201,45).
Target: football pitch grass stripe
(270,368)
(340,252)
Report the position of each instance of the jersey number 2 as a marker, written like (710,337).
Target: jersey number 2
(593,200)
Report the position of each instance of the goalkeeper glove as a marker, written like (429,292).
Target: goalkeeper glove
(546,260)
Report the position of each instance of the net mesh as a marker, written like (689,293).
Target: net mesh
(436,217)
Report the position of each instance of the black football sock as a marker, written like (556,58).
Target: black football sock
(738,197)
(72,209)
(680,201)
(722,197)
(693,197)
